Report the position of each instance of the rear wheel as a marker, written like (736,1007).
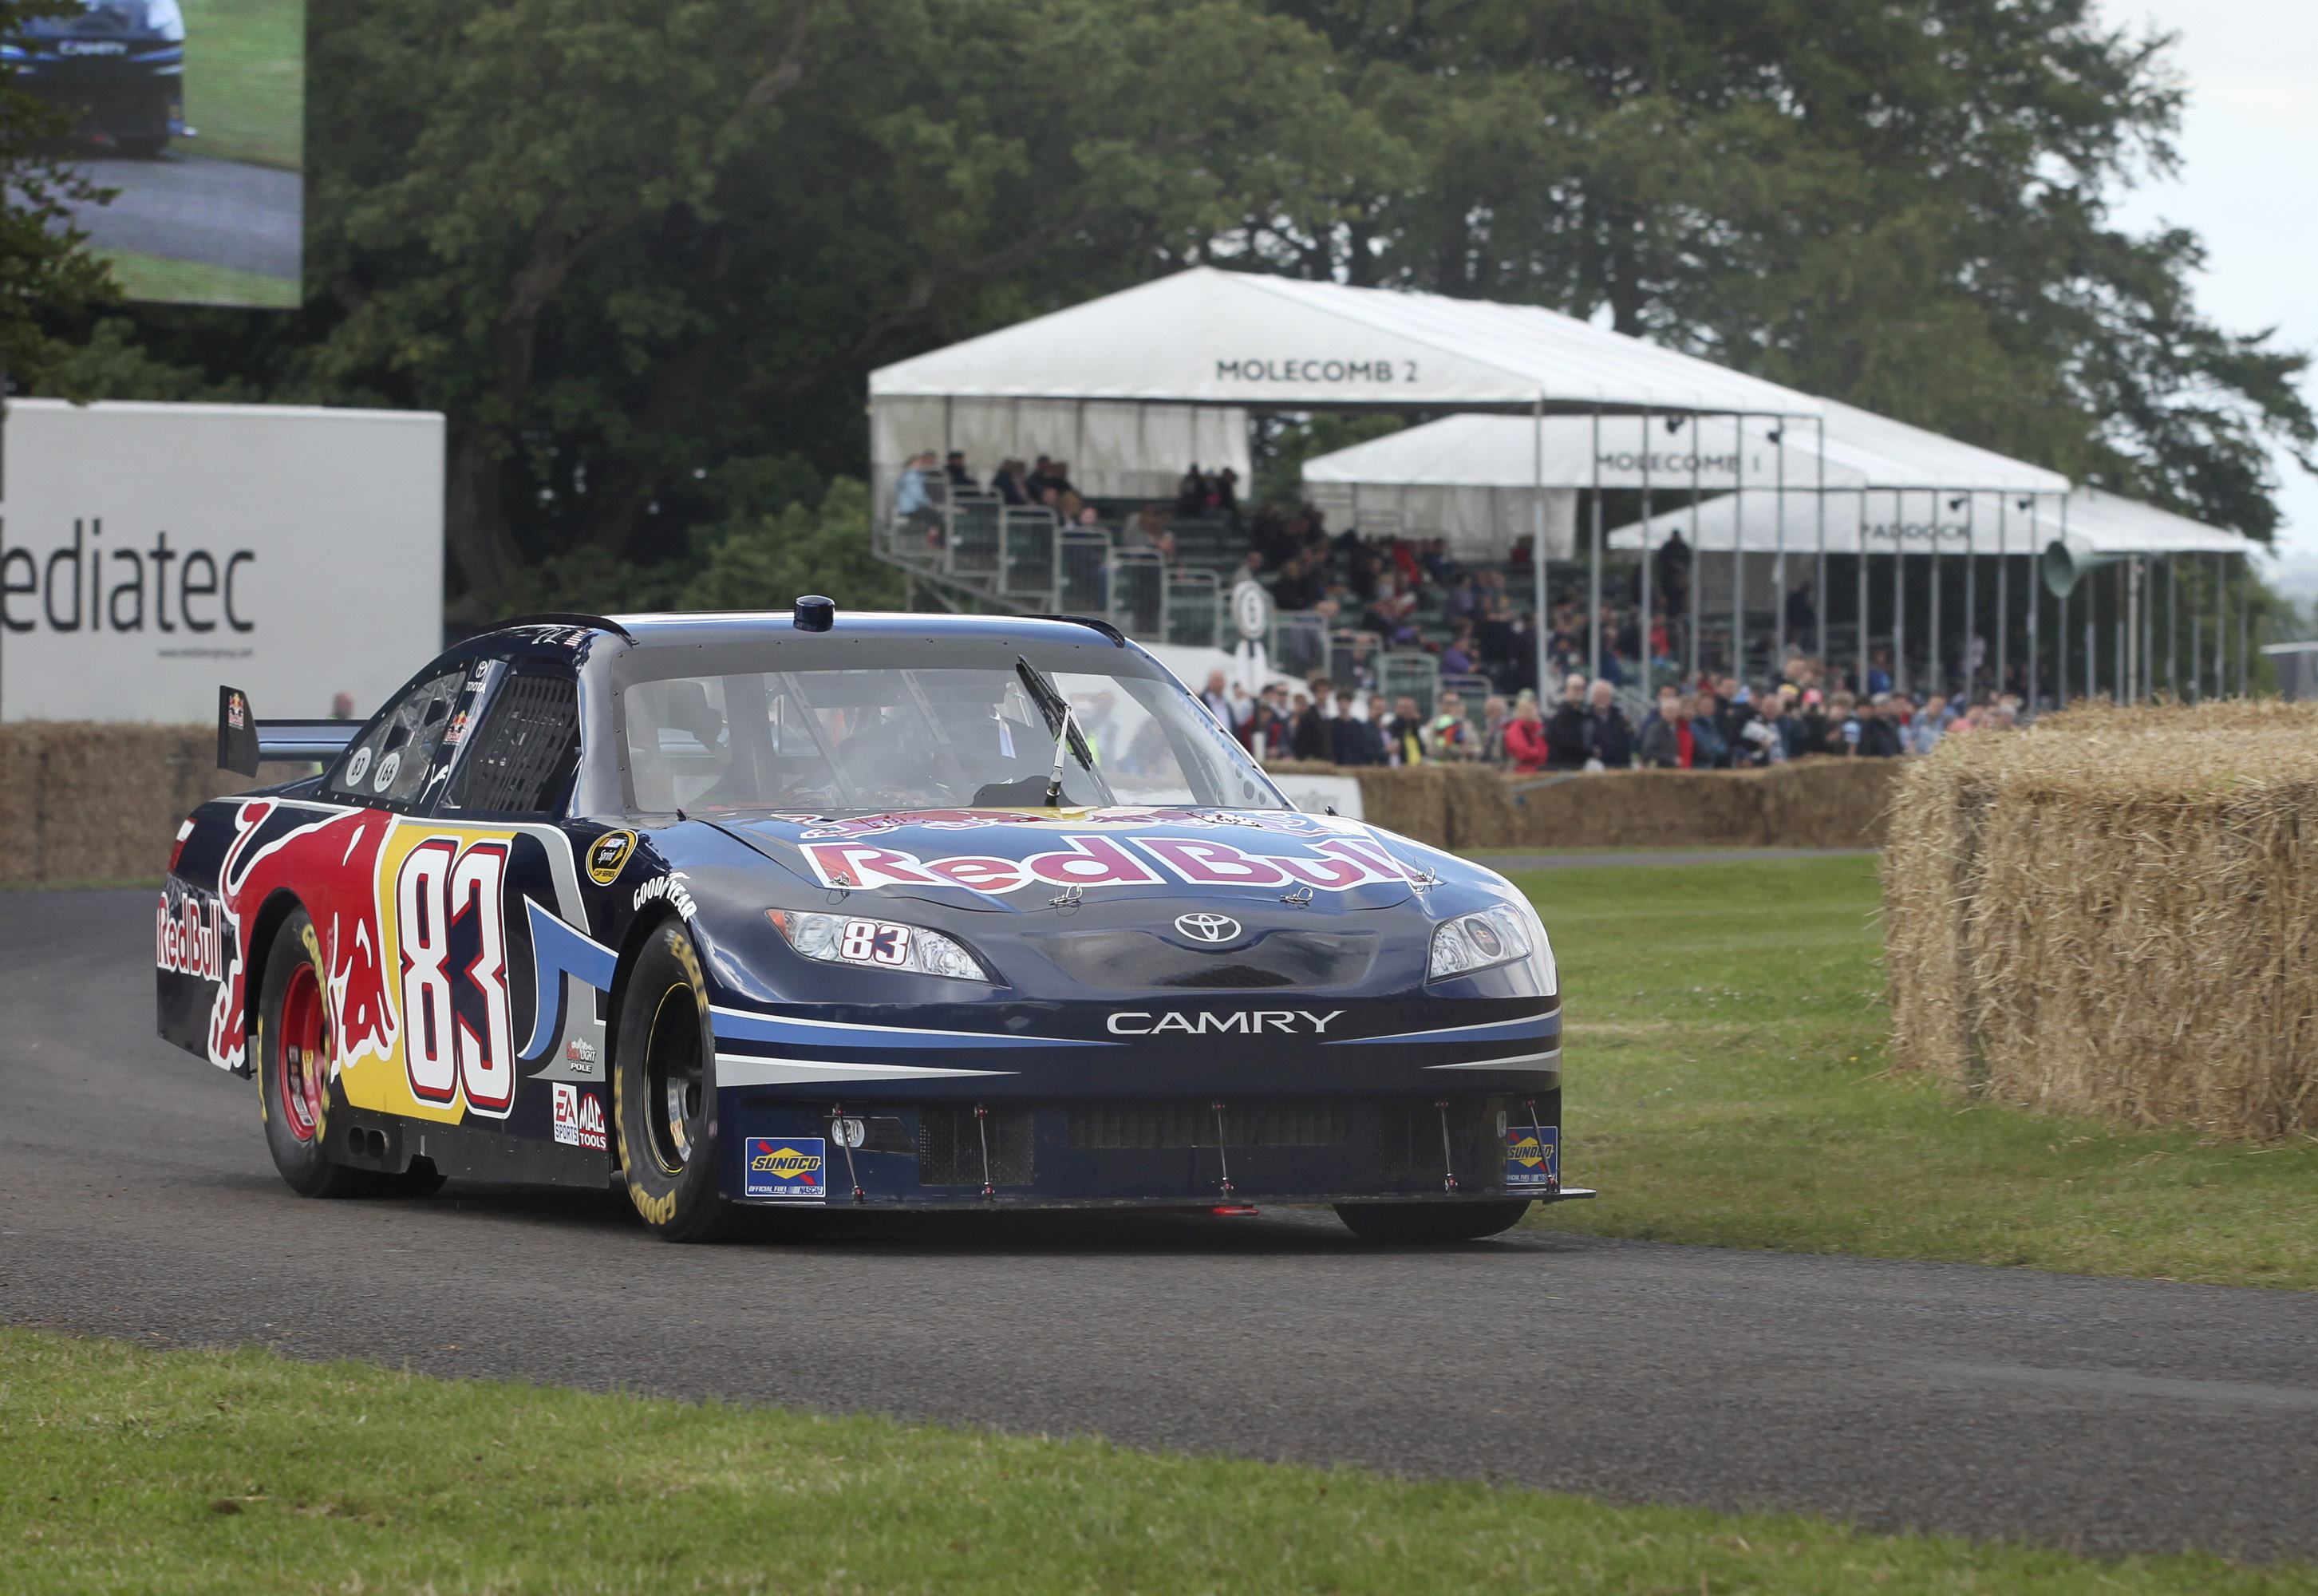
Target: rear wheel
(663,1092)
(1430,1221)
(295,1047)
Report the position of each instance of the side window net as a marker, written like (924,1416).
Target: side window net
(525,748)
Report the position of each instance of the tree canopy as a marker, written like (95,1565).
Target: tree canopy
(643,252)
(47,274)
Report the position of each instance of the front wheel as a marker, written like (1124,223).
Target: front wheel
(663,1092)
(1430,1221)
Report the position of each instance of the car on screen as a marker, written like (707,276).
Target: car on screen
(826,912)
(116,68)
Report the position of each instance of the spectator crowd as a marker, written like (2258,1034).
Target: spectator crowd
(1380,594)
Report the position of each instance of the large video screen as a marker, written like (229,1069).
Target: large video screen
(195,111)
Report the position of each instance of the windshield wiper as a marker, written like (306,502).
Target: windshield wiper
(1054,775)
(1062,721)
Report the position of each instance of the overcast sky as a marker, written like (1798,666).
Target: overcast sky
(2249,185)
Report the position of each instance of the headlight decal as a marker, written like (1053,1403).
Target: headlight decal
(877,945)
(1479,940)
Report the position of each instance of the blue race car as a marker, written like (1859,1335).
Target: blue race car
(870,911)
(115,68)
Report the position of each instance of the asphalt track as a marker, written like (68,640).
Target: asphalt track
(186,207)
(136,1201)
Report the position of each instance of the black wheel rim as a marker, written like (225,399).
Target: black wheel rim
(675,1079)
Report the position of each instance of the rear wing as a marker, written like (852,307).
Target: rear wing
(245,742)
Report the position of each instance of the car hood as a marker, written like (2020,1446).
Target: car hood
(1018,861)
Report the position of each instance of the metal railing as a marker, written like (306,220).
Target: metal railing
(972,535)
(1026,554)
(1409,673)
(1298,645)
(1081,572)
(1195,612)
(1138,592)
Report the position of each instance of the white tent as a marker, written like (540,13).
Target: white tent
(2099,523)
(1104,384)
(1890,481)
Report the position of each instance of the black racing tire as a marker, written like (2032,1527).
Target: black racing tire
(293,1046)
(664,1092)
(1431,1221)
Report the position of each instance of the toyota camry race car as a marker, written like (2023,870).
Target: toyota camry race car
(116,68)
(871,911)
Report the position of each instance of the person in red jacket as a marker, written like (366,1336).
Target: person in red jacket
(1525,737)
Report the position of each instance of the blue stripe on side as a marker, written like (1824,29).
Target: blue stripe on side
(734,1024)
(1535,1028)
(558,949)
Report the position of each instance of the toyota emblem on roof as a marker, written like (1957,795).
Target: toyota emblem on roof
(1208,928)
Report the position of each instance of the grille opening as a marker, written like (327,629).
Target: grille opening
(1408,1132)
(950,1145)
(1128,960)
(1190,1122)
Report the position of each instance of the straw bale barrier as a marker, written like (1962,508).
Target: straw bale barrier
(1814,803)
(85,801)
(2116,912)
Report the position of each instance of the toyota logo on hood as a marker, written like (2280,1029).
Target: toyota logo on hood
(1208,928)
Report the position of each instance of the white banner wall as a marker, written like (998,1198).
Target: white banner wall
(150,551)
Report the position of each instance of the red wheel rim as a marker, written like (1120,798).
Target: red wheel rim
(305,1053)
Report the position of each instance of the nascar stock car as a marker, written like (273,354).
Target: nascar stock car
(871,911)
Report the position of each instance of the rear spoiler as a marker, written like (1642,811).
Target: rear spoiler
(245,741)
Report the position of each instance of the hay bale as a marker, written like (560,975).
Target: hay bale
(101,800)
(2114,913)
(1825,803)
(1820,802)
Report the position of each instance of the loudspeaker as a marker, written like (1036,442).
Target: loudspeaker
(2064,568)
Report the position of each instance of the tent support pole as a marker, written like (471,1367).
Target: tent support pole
(2092,631)
(1823,599)
(1938,661)
(2004,597)
(1697,558)
(1779,555)
(1593,582)
(2245,625)
(2221,624)
(1537,542)
(1649,656)
(2197,643)
(1737,545)
(1971,607)
(1859,642)
(2172,630)
(2031,587)
(1898,592)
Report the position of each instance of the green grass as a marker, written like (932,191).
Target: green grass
(246,82)
(126,1470)
(1724,1084)
(191,281)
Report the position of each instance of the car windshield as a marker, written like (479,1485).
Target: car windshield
(839,742)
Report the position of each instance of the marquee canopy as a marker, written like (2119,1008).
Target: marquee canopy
(1861,450)
(1215,338)
(1921,523)
(2102,523)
